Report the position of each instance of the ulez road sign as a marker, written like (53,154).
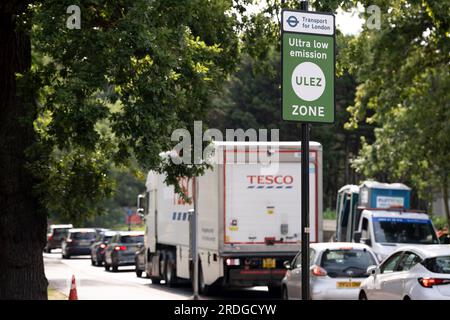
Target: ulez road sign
(308,62)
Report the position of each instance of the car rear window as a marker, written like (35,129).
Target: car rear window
(131,239)
(60,232)
(83,235)
(438,264)
(347,262)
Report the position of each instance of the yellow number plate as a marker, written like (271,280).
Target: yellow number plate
(348,284)
(269,263)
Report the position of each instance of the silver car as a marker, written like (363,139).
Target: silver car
(121,249)
(336,271)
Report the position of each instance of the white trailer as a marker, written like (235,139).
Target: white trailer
(248,216)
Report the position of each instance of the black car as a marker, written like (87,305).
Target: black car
(99,247)
(55,235)
(78,242)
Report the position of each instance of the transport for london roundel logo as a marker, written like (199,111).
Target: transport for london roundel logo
(308,81)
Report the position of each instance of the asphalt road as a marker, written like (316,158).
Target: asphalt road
(94,283)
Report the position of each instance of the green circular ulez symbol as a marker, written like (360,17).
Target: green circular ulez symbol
(308,81)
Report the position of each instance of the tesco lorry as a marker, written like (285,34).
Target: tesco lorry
(248,217)
(379,215)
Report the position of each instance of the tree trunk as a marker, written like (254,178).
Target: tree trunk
(22,222)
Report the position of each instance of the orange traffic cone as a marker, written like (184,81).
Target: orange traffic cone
(73,290)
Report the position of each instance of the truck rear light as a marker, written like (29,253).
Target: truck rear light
(120,248)
(318,271)
(50,238)
(430,282)
(233,262)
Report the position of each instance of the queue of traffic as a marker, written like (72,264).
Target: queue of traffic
(247,207)
(107,248)
(339,270)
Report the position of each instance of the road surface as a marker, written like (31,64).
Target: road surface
(94,283)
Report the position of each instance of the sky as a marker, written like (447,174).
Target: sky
(349,22)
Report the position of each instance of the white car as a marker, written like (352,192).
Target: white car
(411,272)
(336,271)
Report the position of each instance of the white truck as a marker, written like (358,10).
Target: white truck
(378,215)
(385,230)
(248,217)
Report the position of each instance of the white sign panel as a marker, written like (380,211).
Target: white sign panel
(388,202)
(307,22)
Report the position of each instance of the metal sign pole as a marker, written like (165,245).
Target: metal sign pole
(308,95)
(194,242)
(305,199)
(305,211)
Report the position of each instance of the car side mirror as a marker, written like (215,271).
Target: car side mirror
(372,270)
(367,242)
(287,264)
(357,237)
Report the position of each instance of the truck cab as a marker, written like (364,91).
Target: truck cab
(379,215)
(385,230)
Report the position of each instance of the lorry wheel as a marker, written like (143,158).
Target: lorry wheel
(162,264)
(170,273)
(155,280)
(362,296)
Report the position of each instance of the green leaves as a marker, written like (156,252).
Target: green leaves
(119,86)
(404,87)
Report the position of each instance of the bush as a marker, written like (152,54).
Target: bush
(439,222)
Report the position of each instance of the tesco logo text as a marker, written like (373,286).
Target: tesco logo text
(270,179)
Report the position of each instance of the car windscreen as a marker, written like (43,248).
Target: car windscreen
(347,262)
(131,239)
(403,230)
(438,264)
(83,235)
